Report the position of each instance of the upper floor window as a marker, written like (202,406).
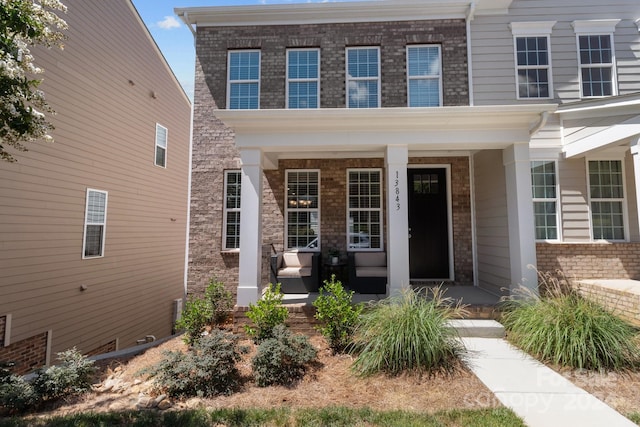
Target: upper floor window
(161,145)
(231,218)
(243,91)
(303,78)
(363,77)
(606,195)
(532,50)
(302,221)
(532,56)
(95,222)
(424,76)
(596,57)
(545,199)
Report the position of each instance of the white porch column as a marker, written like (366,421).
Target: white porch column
(522,243)
(250,227)
(635,154)
(396,159)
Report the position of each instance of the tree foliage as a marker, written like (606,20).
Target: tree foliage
(24,24)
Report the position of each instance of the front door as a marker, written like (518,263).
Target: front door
(428,224)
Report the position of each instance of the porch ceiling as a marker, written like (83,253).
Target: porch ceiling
(347,131)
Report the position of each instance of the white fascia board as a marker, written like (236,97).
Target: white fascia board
(610,135)
(608,106)
(329,12)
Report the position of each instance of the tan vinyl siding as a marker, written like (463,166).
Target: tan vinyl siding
(572,177)
(491,220)
(492,47)
(104,140)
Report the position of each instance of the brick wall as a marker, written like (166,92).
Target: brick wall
(28,354)
(590,260)
(301,320)
(104,348)
(624,304)
(213,44)
(3,325)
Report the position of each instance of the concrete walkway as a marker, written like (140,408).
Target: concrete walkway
(536,393)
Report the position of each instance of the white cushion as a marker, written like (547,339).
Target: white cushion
(294,272)
(371,271)
(370,259)
(297,259)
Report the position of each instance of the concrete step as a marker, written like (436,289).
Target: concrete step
(477,328)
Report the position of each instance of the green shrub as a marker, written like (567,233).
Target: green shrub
(282,358)
(195,317)
(266,314)
(71,377)
(564,328)
(407,333)
(16,393)
(206,369)
(221,301)
(337,315)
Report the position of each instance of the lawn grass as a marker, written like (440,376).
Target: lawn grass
(635,417)
(331,416)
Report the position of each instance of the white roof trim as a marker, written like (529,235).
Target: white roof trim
(322,13)
(610,135)
(595,26)
(532,28)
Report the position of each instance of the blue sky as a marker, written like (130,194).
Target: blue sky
(175,39)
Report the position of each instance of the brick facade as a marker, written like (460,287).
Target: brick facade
(590,260)
(3,326)
(104,348)
(28,354)
(625,304)
(213,44)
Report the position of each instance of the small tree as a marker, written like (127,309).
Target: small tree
(23,24)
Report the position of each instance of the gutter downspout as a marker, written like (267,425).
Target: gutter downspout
(544,116)
(470,15)
(185,18)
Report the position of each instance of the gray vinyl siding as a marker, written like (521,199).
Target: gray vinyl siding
(109,87)
(493,57)
(630,189)
(492,237)
(572,178)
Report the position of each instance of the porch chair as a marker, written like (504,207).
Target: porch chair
(297,272)
(368,272)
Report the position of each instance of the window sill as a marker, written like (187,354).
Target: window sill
(230,251)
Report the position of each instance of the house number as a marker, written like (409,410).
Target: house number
(396,187)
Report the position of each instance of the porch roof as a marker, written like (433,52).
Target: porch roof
(599,124)
(341,131)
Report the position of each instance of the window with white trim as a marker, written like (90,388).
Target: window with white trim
(302,216)
(424,76)
(95,222)
(596,57)
(606,196)
(243,90)
(303,78)
(545,199)
(364,209)
(231,214)
(363,77)
(161,145)
(533,67)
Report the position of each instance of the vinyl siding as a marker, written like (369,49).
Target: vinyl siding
(492,47)
(491,221)
(109,87)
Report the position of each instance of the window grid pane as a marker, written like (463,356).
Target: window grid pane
(303,71)
(232,196)
(363,77)
(532,58)
(596,63)
(365,209)
(423,74)
(161,146)
(244,80)
(607,199)
(543,190)
(303,209)
(95,221)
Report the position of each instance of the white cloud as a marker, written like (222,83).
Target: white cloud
(168,23)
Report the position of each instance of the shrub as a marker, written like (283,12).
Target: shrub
(206,369)
(407,333)
(282,358)
(72,376)
(221,301)
(195,317)
(16,394)
(338,316)
(266,314)
(564,328)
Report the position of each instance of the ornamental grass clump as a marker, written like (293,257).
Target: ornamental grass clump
(564,328)
(408,332)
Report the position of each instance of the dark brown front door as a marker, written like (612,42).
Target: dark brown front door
(428,223)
